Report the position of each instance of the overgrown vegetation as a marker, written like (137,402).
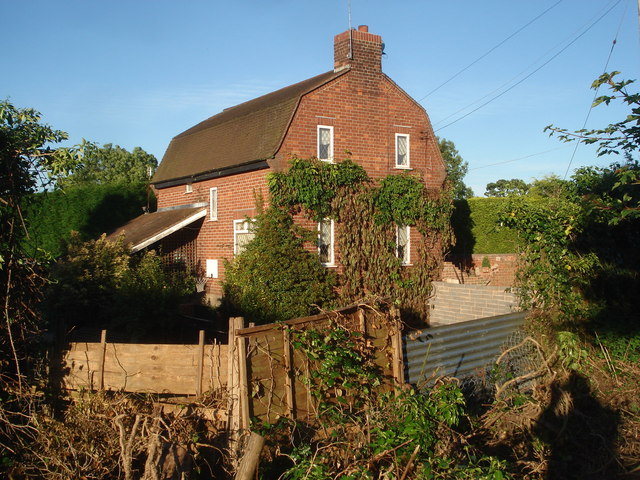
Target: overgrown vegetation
(100,284)
(365,430)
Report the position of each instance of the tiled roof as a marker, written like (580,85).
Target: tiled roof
(240,135)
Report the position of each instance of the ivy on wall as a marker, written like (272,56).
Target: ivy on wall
(367,215)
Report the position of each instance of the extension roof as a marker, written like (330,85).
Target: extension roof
(152,227)
(247,133)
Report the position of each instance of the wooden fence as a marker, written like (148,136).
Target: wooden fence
(141,368)
(264,376)
(270,378)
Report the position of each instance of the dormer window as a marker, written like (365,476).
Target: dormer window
(402,150)
(325,143)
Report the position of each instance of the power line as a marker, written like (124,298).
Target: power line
(595,94)
(490,50)
(519,158)
(536,70)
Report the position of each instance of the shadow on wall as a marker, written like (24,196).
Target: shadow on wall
(465,240)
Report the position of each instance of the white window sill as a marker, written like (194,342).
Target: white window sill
(400,167)
(329,265)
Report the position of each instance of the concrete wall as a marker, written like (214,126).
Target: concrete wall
(454,303)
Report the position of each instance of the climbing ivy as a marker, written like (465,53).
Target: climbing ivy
(312,185)
(367,215)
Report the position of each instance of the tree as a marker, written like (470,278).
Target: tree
(620,137)
(456,169)
(276,278)
(550,186)
(622,180)
(27,161)
(111,164)
(506,188)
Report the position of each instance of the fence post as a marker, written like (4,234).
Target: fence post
(288,381)
(396,345)
(103,351)
(200,363)
(235,323)
(243,387)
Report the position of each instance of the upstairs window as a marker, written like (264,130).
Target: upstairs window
(403,243)
(243,233)
(325,143)
(402,150)
(188,188)
(325,242)
(213,204)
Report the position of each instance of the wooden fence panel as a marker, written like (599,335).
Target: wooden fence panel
(170,369)
(278,383)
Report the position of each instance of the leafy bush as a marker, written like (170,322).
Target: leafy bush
(90,210)
(276,278)
(100,284)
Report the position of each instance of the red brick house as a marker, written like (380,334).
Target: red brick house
(206,181)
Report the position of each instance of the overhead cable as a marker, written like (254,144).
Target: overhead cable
(534,71)
(595,94)
(490,50)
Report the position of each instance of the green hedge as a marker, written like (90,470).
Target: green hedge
(475,226)
(89,210)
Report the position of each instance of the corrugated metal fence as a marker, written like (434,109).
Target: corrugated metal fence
(459,349)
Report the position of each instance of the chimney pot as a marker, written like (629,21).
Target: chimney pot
(363,28)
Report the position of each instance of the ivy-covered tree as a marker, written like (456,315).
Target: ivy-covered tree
(111,164)
(369,218)
(457,168)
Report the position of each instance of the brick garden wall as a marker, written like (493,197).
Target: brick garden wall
(469,270)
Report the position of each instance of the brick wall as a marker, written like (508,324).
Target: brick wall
(366,111)
(236,201)
(456,303)
(469,270)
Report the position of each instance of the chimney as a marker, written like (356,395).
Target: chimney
(359,50)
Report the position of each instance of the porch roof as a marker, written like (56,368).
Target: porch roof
(152,227)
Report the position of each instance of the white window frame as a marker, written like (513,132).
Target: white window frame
(188,188)
(406,258)
(213,204)
(407,163)
(331,252)
(247,224)
(330,128)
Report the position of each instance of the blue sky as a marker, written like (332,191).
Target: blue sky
(138,72)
